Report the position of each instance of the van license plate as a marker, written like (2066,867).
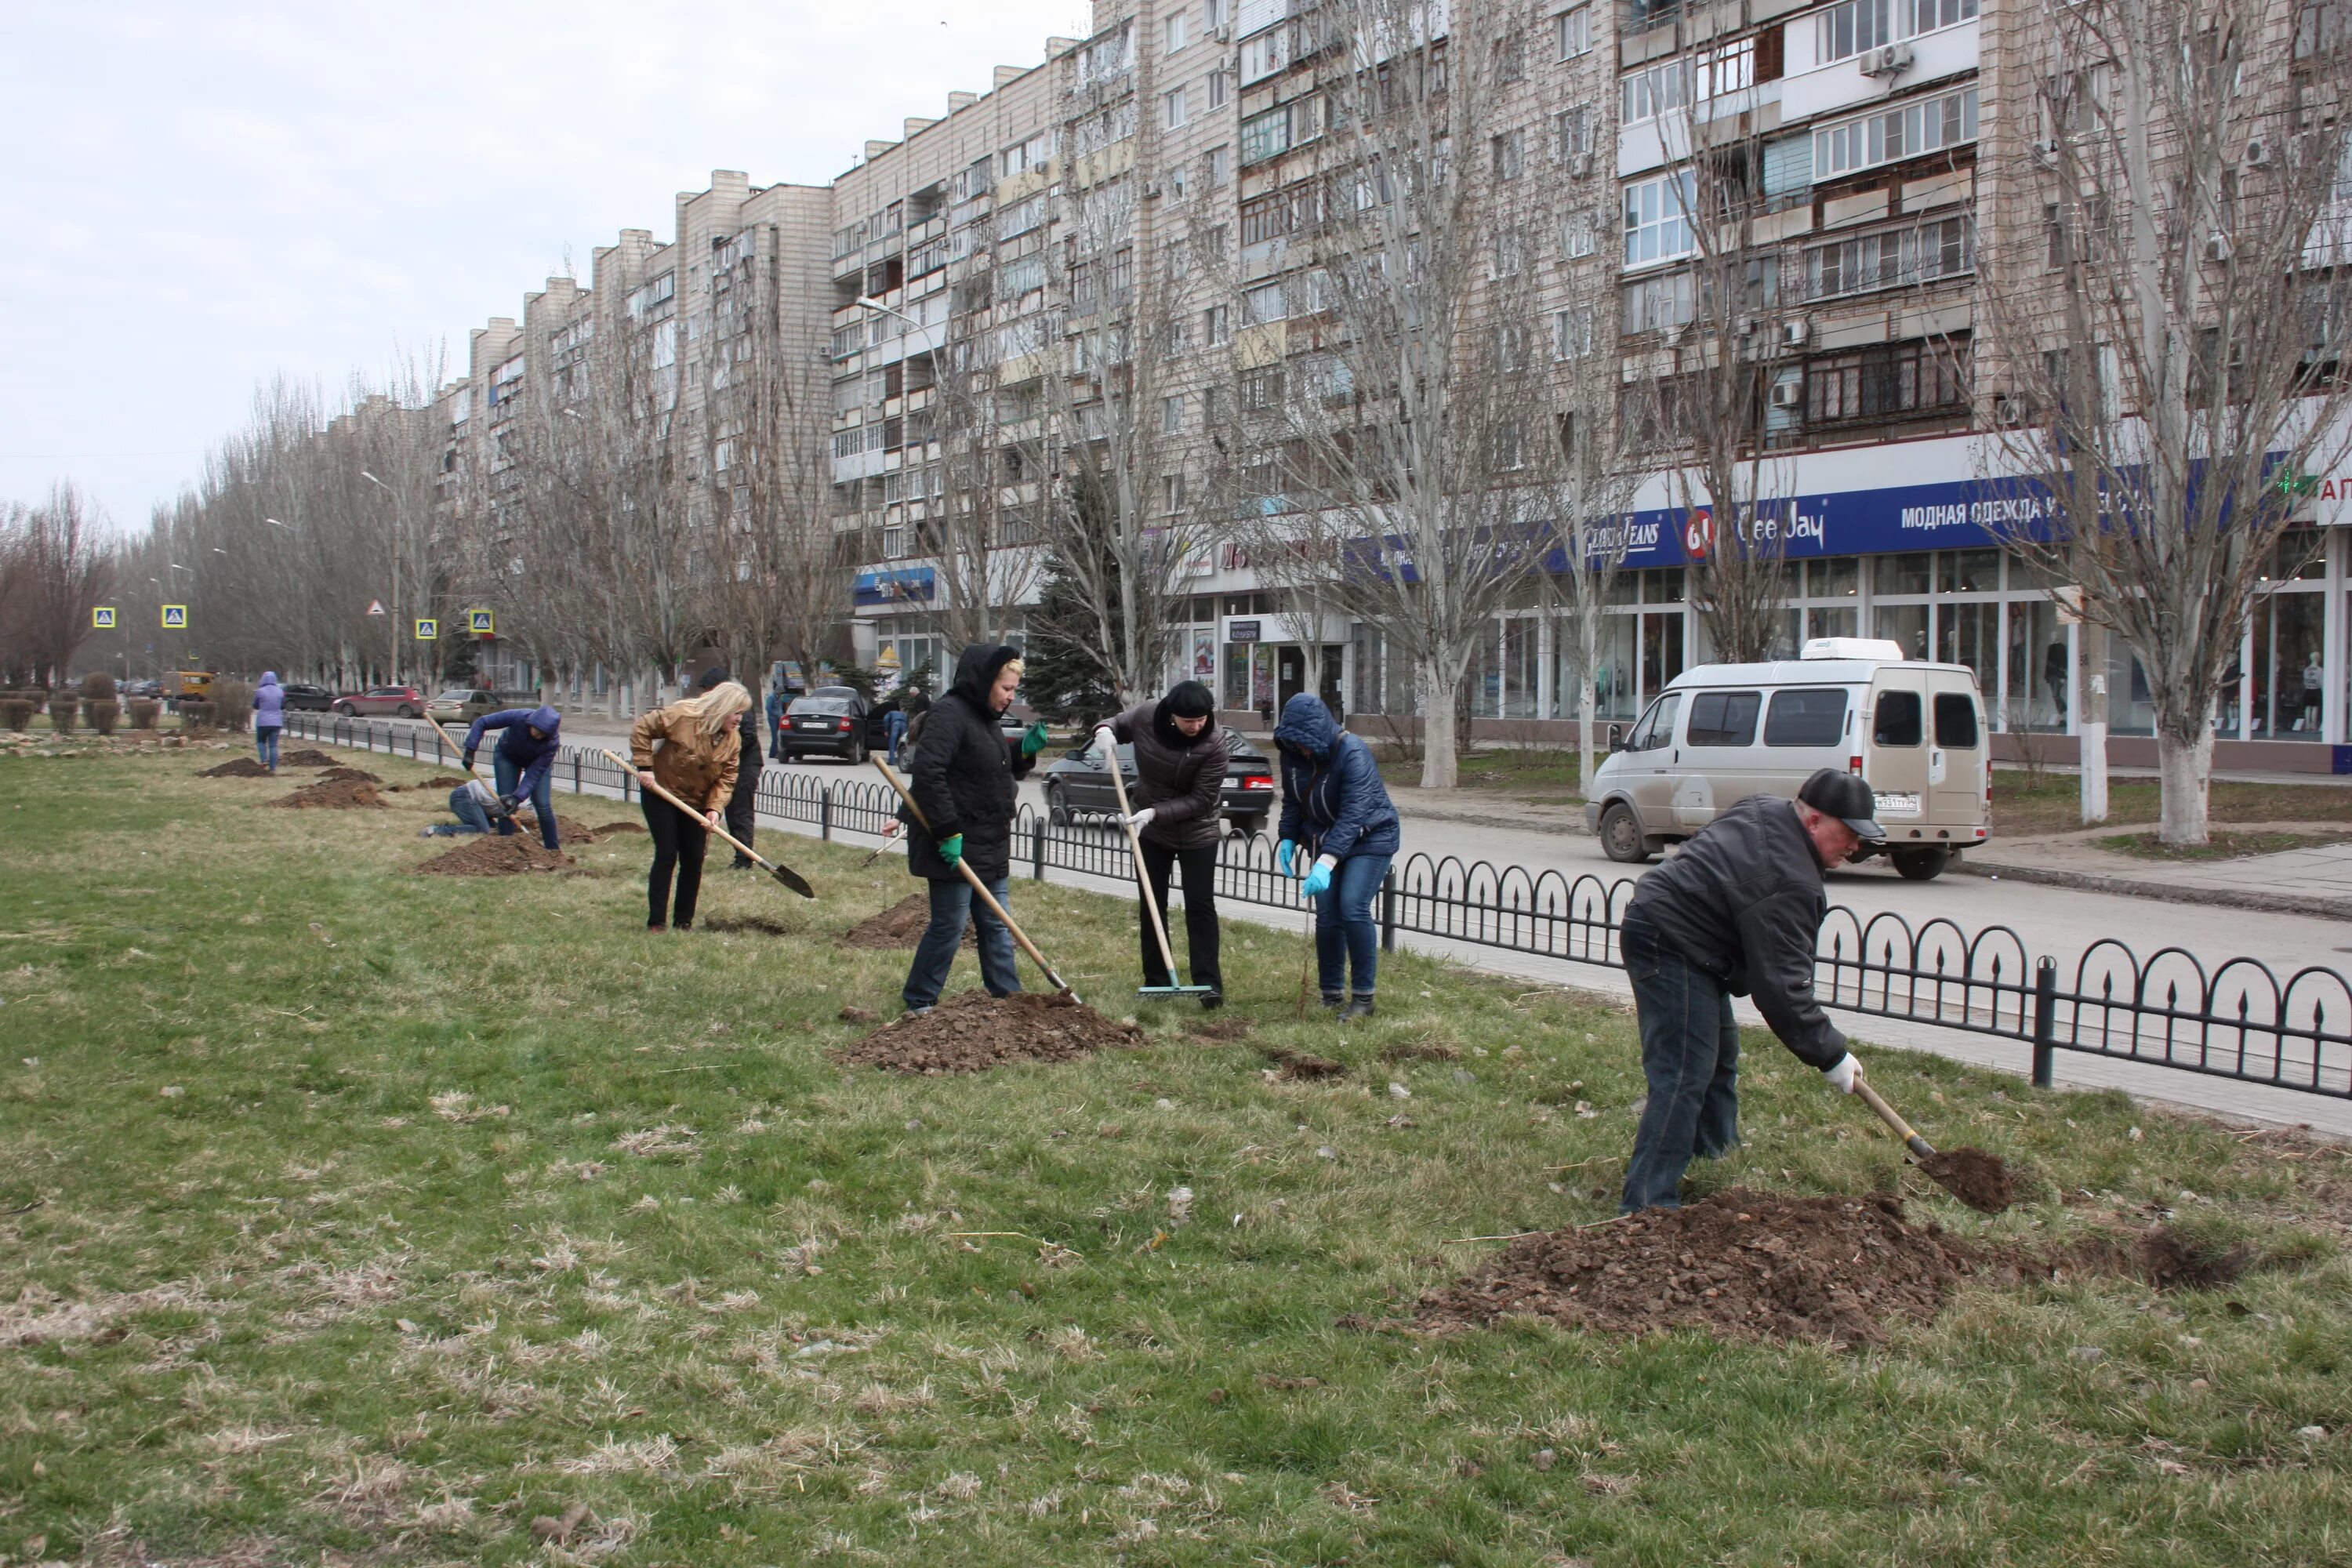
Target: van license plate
(1891,804)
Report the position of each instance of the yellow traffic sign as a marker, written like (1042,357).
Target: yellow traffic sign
(101,617)
(175,617)
(481,624)
(427,631)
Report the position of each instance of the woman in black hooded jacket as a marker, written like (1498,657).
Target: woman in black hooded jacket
(965,782)
(1180,784)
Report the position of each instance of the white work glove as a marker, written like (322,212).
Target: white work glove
(1843,1073)
(1105,742)
(1141,819)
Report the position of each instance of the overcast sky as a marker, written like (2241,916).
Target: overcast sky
(197,196)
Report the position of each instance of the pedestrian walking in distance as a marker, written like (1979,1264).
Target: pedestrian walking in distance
(1736,913)
(967,787)
(523,764)
(269,719)
(692,748)
(742,804)
(1180,785)
(1336,813)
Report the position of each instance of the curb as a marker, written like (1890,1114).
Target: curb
(2166,893)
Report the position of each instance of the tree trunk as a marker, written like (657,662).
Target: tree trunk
(1440,762)
(2091,701)
(2186,768)
(1589,632)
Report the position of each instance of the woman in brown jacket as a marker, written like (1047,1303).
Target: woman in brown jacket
(700,748)
(1179,787)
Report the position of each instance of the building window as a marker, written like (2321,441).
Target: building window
(1264,304)
(1216,325)
(1266,53)
(1221,166)
(1654,90)
(1921,253)
(1262,389)
(1171,109)
(1575,32)
(1508,154)
(1657,218)
(1175,33)
(1172,416)
(1924,125)
(1856,26)
(1886,382)
(1171,493)
(1571,130)
(1572,332)
(1220,88)
(1579,233)
(1657,304)
(1269,134)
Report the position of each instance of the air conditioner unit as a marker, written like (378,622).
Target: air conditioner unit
(1894,60)
(1151,190)
(1746,326)
(2217,247)
(1676,333)
(1580,165)
(1794,333)
(2047,150)
(2258,154)
(1788,394)
(1224,33)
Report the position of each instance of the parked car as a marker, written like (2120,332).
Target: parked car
(1079,785)
(1912,730)
(464,704)
(831,722)
(303,696)
(130,689)
(399,701)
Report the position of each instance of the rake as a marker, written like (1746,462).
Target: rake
(1143,886)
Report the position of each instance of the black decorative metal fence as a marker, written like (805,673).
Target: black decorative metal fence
(2237,1019)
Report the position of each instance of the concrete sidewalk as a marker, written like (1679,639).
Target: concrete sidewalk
(2315,880)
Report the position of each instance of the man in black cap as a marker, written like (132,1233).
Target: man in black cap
(742,805)
(1735,912)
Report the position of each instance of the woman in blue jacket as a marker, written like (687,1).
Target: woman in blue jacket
(529,739)
(1334,805)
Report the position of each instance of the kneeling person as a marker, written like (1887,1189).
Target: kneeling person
(1737,912)
(529,739)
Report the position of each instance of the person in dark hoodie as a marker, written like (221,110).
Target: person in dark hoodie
(522,762)
(269,719)
(965,782)
(1179,790)
(1336,814)
(1737,912)
(743,804)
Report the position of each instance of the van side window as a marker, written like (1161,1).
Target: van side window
(1956,721)
(1899,721)
(1658,726)
(1813,716)
(1724,718)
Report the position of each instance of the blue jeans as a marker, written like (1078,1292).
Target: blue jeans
(1347,935)
(542,796)
(265,745)
(471,817)
(1690,1056)
(951,905)
(894,724)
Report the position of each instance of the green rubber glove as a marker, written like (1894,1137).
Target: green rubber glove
(1032,739)
(952,848)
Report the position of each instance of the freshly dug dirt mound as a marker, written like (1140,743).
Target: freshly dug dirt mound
(900,925)
(1223,1029)
(491,855)
(1978,1179)
(972,1031)
(241,768)
(308,757)
(1739,1263)
(1303,1066)
(750,925)
(348,775)
(446,782)
(335,795)
(573,832)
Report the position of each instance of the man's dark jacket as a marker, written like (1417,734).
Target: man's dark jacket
(963,775)
(1743,901)
(1182,778)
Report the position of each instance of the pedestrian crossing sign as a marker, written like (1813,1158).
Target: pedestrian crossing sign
(175,617)
(101,617)
(428,631)
(481,624)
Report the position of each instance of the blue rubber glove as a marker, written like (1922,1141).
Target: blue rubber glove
(1283,852)
(1032,739)
(1319,880)
(952,848)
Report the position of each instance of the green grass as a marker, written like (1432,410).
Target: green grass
(2053,803)
(356,1213)
(2222,846)
(1543,773)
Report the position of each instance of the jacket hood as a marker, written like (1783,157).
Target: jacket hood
(1185,699)
(976,672)
(268,677)
(546,719)
(1308,726)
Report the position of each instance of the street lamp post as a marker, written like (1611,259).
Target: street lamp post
(395,569)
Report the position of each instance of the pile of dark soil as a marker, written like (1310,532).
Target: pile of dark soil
(972,1031)
(336,794)
(308,757)
(1303,1066)
(348,775)
(446,782)
(490,855)
(241,768)
(900,925)
(750,925)
(1739,1263)
(1978,1179)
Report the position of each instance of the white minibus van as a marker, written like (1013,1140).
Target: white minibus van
(1721,732)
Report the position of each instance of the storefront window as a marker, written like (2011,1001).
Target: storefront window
(1969,572)
(1971,634)
(1903,624)
(1905,573)
(1833,579)
(1237,674)
(1835,622)
(1521,670)
(1614,694)
(2131,710)
(2038,667)
(2290,678)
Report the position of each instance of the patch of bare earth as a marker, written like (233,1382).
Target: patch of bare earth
(972,1032)
(333,796)
(900,925)
(489,854)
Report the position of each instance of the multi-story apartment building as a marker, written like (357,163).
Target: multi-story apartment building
(1842,146)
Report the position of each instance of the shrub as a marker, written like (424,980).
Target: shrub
(233,706)
(144,710)
(105,713)
(195,715)
(16,713)
(63,702)
(98,687)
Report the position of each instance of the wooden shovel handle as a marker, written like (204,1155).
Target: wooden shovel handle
(1894,1119)
(1142,877)
(633,770)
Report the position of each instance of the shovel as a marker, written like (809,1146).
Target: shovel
(978,886)
(784,874)
(1150,905)
(1978,1179)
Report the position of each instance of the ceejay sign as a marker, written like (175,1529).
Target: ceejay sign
(1952,515)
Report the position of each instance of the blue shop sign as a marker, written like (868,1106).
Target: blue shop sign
(1953,515)
(905,584)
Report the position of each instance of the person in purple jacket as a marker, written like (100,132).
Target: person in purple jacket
(528,741)
(268,718)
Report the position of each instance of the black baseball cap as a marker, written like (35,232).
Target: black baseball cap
(1845,797)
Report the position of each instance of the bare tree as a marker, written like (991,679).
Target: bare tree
(54,568)
(2171,319)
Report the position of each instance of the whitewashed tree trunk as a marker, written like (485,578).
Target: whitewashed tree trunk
(1440,765)
(2091,701)
(2186,768)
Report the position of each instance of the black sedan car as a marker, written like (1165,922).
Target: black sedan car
(302,697)
(1079,785)
(831,722)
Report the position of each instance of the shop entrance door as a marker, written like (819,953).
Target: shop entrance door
(1289,674)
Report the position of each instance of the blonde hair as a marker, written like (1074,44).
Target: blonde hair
(713,709)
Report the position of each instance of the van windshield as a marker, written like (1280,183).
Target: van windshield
(1806,716)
